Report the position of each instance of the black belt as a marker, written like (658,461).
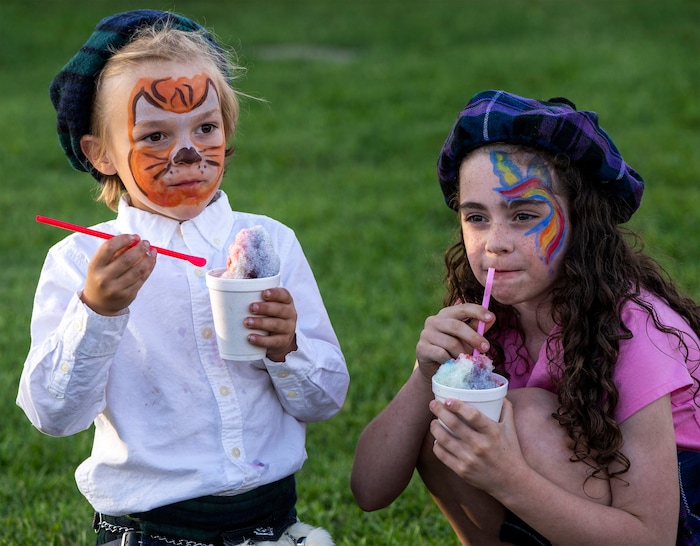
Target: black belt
(134,538)
(259,515)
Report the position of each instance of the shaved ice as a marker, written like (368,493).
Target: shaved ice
(467,372)
(252,255)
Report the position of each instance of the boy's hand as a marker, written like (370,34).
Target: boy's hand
(116,273)
(278,316)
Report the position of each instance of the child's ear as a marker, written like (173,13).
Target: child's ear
(90,145)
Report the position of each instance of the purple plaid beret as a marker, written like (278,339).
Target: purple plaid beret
(554,125)
(72,90)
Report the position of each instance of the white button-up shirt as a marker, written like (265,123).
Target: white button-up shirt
(173,421)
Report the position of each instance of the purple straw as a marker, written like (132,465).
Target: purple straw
(485,302)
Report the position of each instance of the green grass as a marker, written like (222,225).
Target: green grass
(359,97)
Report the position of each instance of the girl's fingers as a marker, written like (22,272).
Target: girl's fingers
(445,338)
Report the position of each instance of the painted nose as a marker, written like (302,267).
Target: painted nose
(187,156)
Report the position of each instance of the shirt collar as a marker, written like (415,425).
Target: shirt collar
(213,222)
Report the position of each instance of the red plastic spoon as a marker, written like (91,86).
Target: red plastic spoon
(194,260)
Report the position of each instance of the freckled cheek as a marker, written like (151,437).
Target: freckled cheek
(531,246)
(474,246)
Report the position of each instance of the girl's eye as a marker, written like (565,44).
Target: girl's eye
(474,218)
(524,216)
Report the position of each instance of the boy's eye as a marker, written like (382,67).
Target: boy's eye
(208,128)
(155,137)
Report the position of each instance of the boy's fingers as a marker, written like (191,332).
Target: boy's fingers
(277,294)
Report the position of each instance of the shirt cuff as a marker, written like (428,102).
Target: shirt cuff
(89,333)
(85,336)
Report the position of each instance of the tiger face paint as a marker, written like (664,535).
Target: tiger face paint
(177,142)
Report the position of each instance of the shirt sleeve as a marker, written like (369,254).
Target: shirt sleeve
(312,382)
(651,364)
(62,386)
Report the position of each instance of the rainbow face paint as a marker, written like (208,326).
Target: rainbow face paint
(177,142)
(533,185)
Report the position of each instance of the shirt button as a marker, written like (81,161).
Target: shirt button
(236,452)
(206,333)
(292,394)
(179,230)
(78,325)
(217,241)
(199,273)
(224,390)
(65,367)
(283,375)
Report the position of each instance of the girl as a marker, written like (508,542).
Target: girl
(599,438)
(188,448)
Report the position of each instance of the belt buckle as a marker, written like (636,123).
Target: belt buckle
(132,538)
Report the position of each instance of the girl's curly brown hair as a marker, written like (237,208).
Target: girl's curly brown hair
(604,268)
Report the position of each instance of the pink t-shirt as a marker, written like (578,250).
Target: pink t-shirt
(650,365)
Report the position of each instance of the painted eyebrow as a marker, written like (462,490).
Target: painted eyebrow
(212,112)
(506,204)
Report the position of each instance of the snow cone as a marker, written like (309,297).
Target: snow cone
(471,379)
(252,266)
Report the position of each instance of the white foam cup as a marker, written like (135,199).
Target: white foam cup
(487,401)
(230,305)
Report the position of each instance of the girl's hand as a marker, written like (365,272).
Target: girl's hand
(451,332)
(278,316)
(116,273)
(482,452)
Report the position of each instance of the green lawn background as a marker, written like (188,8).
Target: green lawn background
(358,98)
